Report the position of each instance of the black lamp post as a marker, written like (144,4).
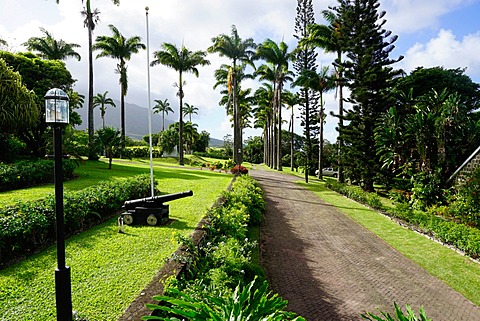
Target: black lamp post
(57,113)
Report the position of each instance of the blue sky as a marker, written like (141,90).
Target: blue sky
(431,33)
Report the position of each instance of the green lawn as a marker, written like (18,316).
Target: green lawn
(108,269)
(458,271)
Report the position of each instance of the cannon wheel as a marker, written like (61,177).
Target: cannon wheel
(128,219)
(152,219)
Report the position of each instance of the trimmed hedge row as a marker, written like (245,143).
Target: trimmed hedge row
(143,151)
(28,226)
(462,237)
(31,173)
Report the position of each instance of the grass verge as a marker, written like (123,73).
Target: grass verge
(108,269)
(458,271)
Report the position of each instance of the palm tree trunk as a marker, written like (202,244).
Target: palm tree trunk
(163,121)
(180,125)
(341,176)
(91,150)
(279,136)
(320,139)
(291,143)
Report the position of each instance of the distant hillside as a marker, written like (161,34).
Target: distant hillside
(136,121)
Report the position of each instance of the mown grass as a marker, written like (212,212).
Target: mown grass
(458,271)
(108,269)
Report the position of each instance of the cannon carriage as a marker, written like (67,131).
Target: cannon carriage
(149,210)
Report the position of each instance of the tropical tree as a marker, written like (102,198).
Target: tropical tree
(121,48)
(48,47)
(240,52)
(102,101)
(169,138)
(279,56)
(110,139)
(264,119)
(162,106)
(319,82)
(181,60)
(369,73)
(327,37)
(306,58)
(189,110)
(191,135)
(291,100)
(17,103)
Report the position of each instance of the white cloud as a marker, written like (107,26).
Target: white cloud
(447,51)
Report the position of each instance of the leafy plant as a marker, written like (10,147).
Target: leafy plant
(251,302)
(399,315)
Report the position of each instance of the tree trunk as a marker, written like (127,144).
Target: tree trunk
(341,176)
(291,144)
(279,136)
(180,125)
(91,124)
(320,139)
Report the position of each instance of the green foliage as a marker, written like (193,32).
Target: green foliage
(28,225)
(31,173)
(355,193)
(144,151)
(399,315)
(218,153)
(465,204)
(426,190)
(251,302)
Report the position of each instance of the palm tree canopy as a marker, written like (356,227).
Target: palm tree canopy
(48,47)
(181,60)
(102,100)
(162,107)
(234,47)
(117,46)
(189,110)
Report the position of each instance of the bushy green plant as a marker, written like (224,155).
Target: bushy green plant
(144,151)
(251,302)
(426,190)
(31,173)
(465,204)
(247,191)
(370,199)
(29,225)
(399,315)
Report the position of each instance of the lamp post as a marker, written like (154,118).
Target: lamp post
(57,113)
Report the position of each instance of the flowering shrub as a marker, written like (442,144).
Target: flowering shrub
(239,169)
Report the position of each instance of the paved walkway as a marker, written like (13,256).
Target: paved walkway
(331,268)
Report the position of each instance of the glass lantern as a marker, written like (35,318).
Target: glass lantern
(57,107)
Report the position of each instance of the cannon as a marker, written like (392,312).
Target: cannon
(149,210)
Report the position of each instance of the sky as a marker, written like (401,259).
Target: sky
(431,33)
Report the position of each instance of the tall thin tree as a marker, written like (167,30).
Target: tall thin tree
(162,106)
(120,48)
(181,60)
(102,101)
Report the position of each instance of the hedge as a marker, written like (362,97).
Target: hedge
(31,173)
(462,237)
(27,226)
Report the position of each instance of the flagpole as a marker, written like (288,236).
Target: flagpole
(149,108)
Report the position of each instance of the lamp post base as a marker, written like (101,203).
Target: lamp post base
(63,294)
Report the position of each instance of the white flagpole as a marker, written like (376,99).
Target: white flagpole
(149,108)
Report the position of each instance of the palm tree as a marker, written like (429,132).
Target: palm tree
(191,135)
(327,38)
(49,48)
(162,107)
(189,110)
(91,19)
(240,52)
(121,48)
(181,60)
(102,101)
(279,57)
(321,83)
(291,99)
(263,119)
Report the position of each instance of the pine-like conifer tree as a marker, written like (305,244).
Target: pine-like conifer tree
(369,75)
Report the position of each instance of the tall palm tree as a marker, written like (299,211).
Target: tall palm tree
(121,48)
(181,60)
(291,99)
(327,38)
(320,82)
(240,52)
(279,56)
(102,101)
(189,110)
(48,47)
(263,118)
(162,106)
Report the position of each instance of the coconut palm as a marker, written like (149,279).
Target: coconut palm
(102,101)
(162,107)
(191,135)
(320,82)
(240,52)
(279,56)
(189,110)
(121,48)
(181,60)
(48,47)
(110,140)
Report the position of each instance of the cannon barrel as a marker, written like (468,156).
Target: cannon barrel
(155,200)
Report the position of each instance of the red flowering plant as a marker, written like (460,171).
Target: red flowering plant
(239,169)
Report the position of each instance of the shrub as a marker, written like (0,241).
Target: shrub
(399,315)
(143,151)
(31,173)
(239,169)
(27,226)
